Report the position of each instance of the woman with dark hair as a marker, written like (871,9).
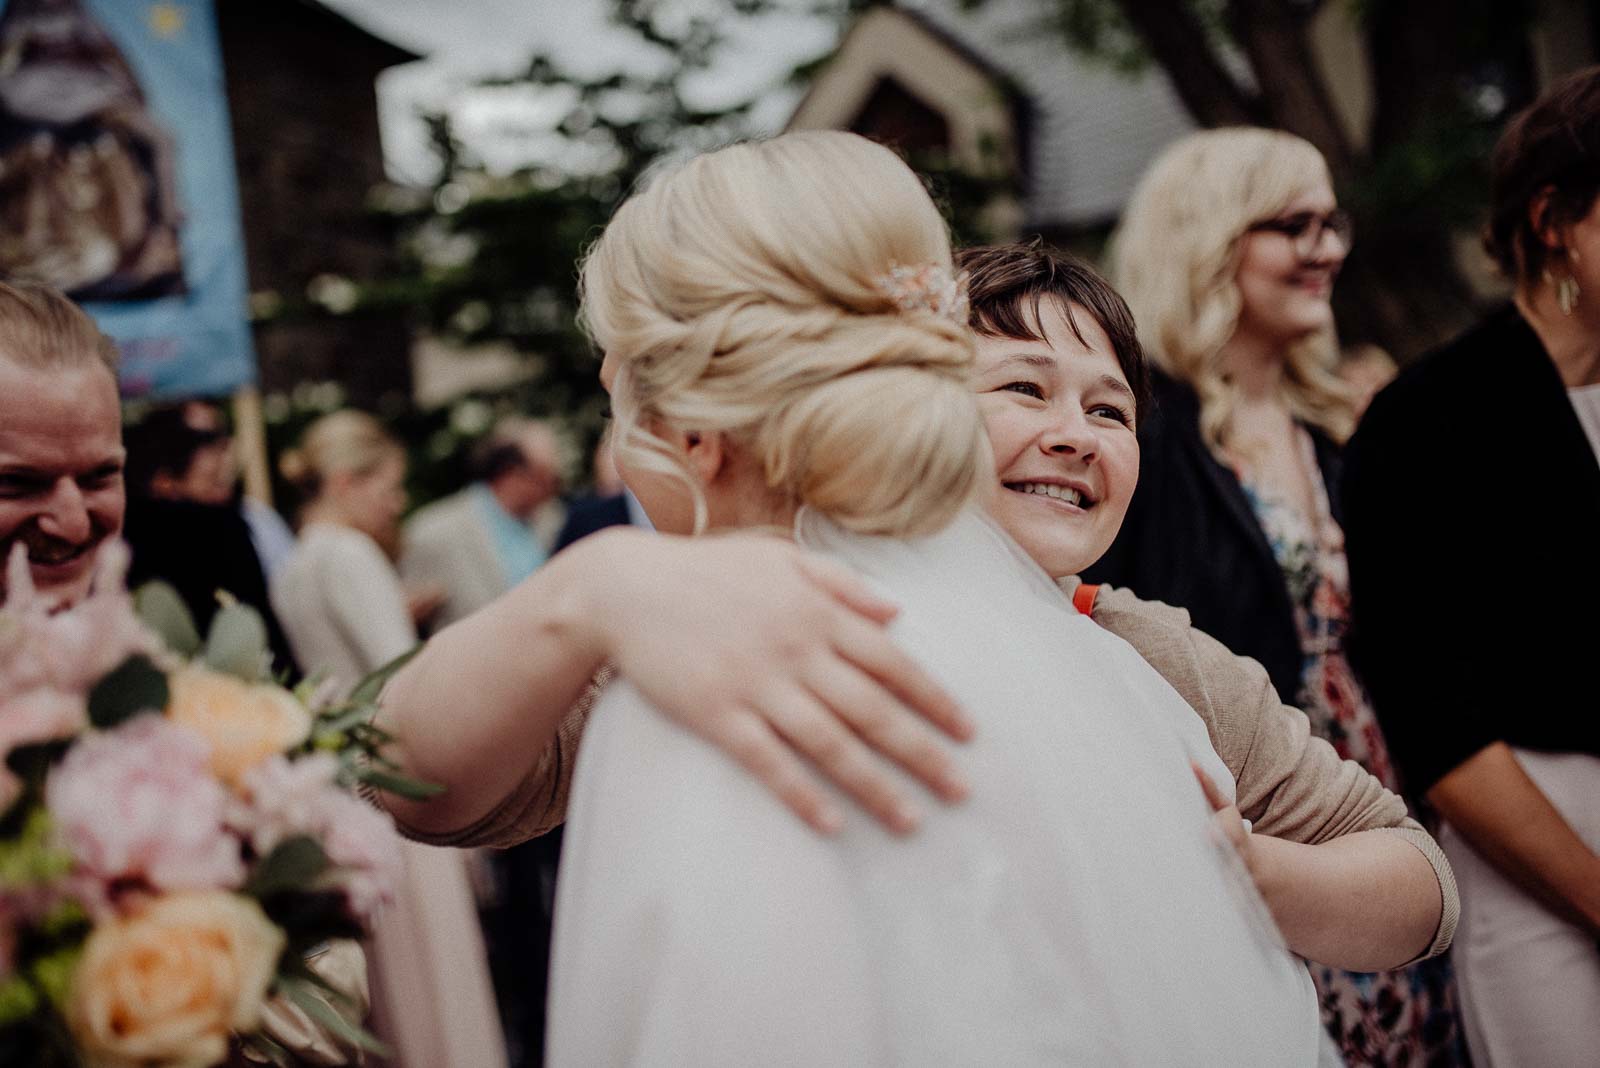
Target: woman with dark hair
(1484,679)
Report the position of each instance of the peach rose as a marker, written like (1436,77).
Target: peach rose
(244,723)
(163,988)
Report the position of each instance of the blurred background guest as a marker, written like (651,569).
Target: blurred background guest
(609,505)
(1227,254)
(1474,523)
(184,522)
(346,614)
(477,543)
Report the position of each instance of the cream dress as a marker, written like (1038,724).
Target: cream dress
(342,605)
(1076,910)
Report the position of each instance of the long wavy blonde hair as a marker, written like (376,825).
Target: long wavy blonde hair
(1175,257)
(741,294)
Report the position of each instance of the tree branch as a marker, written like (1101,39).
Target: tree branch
(1276,38)
(1177,41)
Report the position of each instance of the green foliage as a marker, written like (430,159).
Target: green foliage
(390,782)
(135,686)
(18,1000)
(31,858)
(164,612)
(368,689)
(315,1001)
(52,974)
(490,258)
(237,643)
(294,864)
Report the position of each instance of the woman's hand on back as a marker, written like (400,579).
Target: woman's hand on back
(781,659)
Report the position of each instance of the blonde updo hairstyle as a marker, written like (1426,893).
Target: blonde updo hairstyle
(342,441)
(1175,258)
(739,294)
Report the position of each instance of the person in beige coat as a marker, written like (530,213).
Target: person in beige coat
(474,545)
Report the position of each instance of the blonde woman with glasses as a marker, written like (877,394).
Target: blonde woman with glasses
(1227,254)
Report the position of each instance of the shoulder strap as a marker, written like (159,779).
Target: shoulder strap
(1083,598)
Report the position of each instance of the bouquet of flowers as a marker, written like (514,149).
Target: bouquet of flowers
(177,831)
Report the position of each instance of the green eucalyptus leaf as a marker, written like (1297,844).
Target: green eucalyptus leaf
(367,689)
(294,864)
(307,997)
(164,612)
(400,785)
(136,686)
(237,644)
(341,721)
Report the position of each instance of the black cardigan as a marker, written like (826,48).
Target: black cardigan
(1472,502)
(1191,539)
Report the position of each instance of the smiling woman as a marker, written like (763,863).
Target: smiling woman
(1060,381)
(61,456)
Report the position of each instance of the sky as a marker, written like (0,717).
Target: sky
(464,41)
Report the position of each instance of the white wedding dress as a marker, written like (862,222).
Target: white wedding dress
(1075,910)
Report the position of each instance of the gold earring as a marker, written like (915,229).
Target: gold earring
(1567,294)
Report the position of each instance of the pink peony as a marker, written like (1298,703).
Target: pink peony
(139,802)
(293,797)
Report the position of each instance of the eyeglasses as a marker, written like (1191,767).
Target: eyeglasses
(1305,229)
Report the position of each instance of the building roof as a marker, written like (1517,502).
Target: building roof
(389,53)
(1092,129)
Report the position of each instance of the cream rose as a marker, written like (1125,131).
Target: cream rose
(244,723)
(167,985)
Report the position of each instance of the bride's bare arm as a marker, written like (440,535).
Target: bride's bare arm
(773,655)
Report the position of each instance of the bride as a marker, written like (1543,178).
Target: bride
(786,348)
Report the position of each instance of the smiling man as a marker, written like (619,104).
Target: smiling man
(61,455)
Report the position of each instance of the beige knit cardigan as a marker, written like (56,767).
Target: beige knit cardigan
(1290,784)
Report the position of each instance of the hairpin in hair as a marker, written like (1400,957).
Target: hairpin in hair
(929,288)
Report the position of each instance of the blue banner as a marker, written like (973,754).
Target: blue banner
(117,182)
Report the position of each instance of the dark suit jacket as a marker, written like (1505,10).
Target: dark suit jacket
(587,516)
(1192,540)
(200,549)
(1473,531)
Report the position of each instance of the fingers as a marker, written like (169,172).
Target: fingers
(749,739)
(846,588)
(825,739)
(871,650)
(1214,796)
(884,724)
(1228,826)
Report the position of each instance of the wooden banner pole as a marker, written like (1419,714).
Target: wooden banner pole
(250,438)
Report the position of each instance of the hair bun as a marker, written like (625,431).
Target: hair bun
(754,292)
(893,448)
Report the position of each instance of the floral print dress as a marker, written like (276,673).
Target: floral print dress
(1404,1017)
